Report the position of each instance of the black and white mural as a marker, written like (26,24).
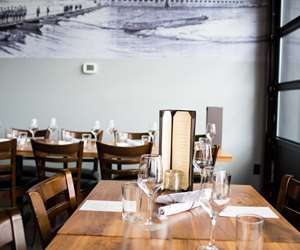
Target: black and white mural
(131,28)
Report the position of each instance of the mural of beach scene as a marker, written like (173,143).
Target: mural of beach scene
(132,28)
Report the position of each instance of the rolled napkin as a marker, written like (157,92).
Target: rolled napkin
(177,208)
(191,196)
(184,201)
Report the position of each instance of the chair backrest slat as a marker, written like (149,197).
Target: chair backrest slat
(78,134)
(136,135)
(12,230)
(39,195)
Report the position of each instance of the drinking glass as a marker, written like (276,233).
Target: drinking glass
(249,232)
(153,131)
(202,155)
(211,131)
(34,126)
(53,129)
(219,199)
(131,201)
(150,180)
(146,139)
(122,137)
(22,139)
(112,130)
(86,138)
(139,236)
(96,129)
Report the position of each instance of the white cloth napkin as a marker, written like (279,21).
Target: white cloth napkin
(134,142)
(233,211)
(183,202)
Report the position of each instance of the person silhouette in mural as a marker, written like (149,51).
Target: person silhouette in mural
(38,11)
(48,10)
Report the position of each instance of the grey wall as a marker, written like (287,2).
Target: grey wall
(133,91)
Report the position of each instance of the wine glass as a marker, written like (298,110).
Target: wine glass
(219,199)
(112,130)
(202,156)
(53,128)
(211,131)
(150,180)
(152,131)
(96,129)
(34,126)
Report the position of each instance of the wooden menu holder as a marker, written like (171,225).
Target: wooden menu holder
(176,143)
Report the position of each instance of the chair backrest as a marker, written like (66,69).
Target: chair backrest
(8,150)
(47,203)
(45,133)
(109,154)
(66,153)
(78,134)
(136,135)
(12,230)
(288,202)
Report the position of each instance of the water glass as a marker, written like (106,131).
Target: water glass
(131,201)
(122,137)
(249,232)
(86,138)
(22,139)
(146,139)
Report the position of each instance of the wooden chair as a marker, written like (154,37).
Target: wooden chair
(214,151)
(288,202)
(26,170)
(109,154)
(12,230)
(50,200)
(65,154)
(86,173)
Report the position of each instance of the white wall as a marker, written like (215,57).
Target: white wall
(133,91)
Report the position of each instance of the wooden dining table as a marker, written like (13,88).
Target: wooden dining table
(90,150)
(106,230)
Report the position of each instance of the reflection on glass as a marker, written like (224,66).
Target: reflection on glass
(290,9)
(290,57)
(288,123)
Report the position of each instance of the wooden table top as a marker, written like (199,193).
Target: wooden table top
(89,230)
(90,150)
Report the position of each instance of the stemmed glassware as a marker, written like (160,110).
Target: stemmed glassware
(202,156)
(34,126)
(150,180)
(152,131)
(96,129)
(53,128)
(211,131)
(219,199)
(112,130)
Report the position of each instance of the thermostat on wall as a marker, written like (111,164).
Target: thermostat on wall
(89,68)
